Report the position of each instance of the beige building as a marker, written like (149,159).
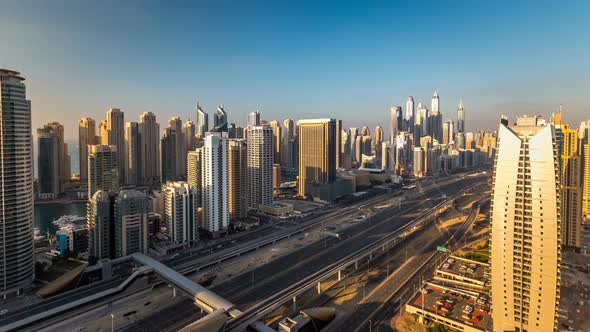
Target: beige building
(586,185)
(86,136)
(317,152)
(525,228)
(260,161)
(571,189)
(103,169)
(116,136)
(238,178)
(276,141)
(149,133)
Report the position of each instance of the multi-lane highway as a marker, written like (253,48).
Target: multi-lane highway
(289,269)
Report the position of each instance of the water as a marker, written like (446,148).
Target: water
(46,213)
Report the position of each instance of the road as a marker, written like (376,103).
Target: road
(246,289)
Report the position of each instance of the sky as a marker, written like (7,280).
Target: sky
(298,59)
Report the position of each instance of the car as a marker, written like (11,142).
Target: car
(3,312)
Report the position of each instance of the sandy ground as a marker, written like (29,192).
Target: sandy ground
(407,323)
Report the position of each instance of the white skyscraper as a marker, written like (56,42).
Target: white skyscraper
(410,113)
(254,118)
(202,125)
(16,179)
(260,163)
(215,184)
(180,212)
(525,228)
(461,118)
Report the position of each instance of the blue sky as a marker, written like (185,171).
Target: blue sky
(348,60)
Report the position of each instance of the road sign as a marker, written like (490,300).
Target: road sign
(439,248)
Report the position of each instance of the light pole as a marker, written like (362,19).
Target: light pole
(112,323)
(370,325)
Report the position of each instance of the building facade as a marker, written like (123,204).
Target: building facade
(260,162)
(317,152)
(215,184)
(103,169)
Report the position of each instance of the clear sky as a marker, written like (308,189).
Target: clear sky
(298,59)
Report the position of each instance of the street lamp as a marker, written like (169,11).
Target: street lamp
(370,325)
(112,323)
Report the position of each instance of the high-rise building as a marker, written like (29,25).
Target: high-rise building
(435,122)
(461,118)
(188,132)
(276,136)
(585,147)
(353,133)
(346,157)
(179,150)
(16,181)
(235,132)
(49,184)
(288,134)
(378,135)
(365,131)
(103,133)
(395,121)
(238,178)
(423,119)
(103,169)
(418,161)
(362,147)
(220,120)
(254,118)
(448,132)
(525,228)
(116,137)
(317,152)
(387,156)
(131,212)
(169,156)
(409,120)
(86,136)
(215,184)
(149,133)
(99,219)
(260,161)
(195,175)
(132,154)
(571,189)
(202,125)
(60,152)
(180,213)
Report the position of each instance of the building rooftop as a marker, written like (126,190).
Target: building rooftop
(463,310)
(465,270)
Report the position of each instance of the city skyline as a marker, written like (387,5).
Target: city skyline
(233,67)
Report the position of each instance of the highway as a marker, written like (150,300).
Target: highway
(287,270)
(383,304)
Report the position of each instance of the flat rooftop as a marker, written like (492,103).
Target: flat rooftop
(467,309)
(464,268)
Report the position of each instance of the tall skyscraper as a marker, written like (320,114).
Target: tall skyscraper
(288,134)
(238,178)
(103,169)
(260,163)
(353,133)
(395,121)
(202,125)
(86,136)
(215,184)
(525,228)
(99,219)
(409,114)
(571,189)
(16,181)
(276,134)
(56,130)
(133,154)
(103,133)
(48,163)
(179,150)
(461,118)
(195,174)
(436,119)
(149,133)
(585,146)
(188,132)
(131,212)
(448,132)
(116,137)
(423,117)
(317,152)
(338,143)
(169,156)
(346,159)
(180,212)
(254,118)
(220,120)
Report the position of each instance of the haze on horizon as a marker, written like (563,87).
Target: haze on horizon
(351,61)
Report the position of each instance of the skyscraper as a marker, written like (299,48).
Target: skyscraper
(103,169)
(395,115)
(169,156)
(195,174)
(317,152)
(586,172)
(448,132)
(180,212)
(179,150)
(16,181)
(220,120)
(260,163)
(276,134)
(215,184)
(288,134)
(238,178)
(461,118)
(346,159)
(525,228)
(149,133)
(99,219)
(103,133)
(571,189)
(409,114)
(132,153)
(202,125)
(254,118)
(131,212)
(436,119)
(188,132)
(116,137)
(86,136)
(48,162)
(353,133)
(56,130)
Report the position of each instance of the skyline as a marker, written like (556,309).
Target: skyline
(299,60)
